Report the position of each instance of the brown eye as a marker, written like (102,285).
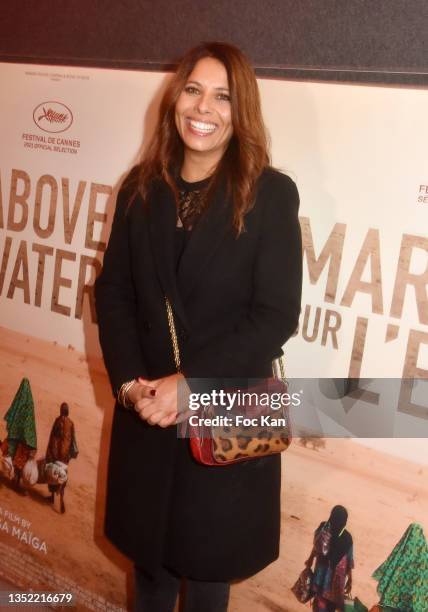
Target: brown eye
(190,89)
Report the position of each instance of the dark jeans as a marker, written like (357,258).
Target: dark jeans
(160,595)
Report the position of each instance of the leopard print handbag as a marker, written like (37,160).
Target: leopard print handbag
(252,431)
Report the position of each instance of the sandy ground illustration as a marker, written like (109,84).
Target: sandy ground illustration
(383,493)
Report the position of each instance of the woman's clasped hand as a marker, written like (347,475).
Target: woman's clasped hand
(156,401)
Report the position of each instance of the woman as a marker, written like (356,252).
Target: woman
(21,442)
(403,577)
(207,223)
(334,562)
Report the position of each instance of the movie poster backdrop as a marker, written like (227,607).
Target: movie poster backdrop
(358,156)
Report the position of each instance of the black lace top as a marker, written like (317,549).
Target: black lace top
(191,205)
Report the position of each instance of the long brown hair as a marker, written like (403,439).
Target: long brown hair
(247,153)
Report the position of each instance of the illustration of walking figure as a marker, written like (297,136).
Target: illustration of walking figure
(332,551)
(62,447)
(20,445)
(403,577)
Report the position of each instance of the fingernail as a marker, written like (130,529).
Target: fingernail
(152,391)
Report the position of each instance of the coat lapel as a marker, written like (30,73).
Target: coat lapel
(206,237)
(162,222)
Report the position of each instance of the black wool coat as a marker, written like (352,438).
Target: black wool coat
(235,302)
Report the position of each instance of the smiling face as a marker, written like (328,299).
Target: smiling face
(203,112)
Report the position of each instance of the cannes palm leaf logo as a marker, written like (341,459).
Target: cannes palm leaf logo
(53,117)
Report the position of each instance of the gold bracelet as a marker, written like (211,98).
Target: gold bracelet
(122,395)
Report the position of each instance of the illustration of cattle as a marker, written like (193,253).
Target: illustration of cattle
(6,464)
(55,475)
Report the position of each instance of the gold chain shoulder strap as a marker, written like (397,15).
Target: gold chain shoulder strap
(278,368)
(173,334)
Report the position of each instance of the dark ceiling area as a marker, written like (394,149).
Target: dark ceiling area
(372,41)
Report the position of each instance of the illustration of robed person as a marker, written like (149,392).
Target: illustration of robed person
(62,445)
(21,441)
